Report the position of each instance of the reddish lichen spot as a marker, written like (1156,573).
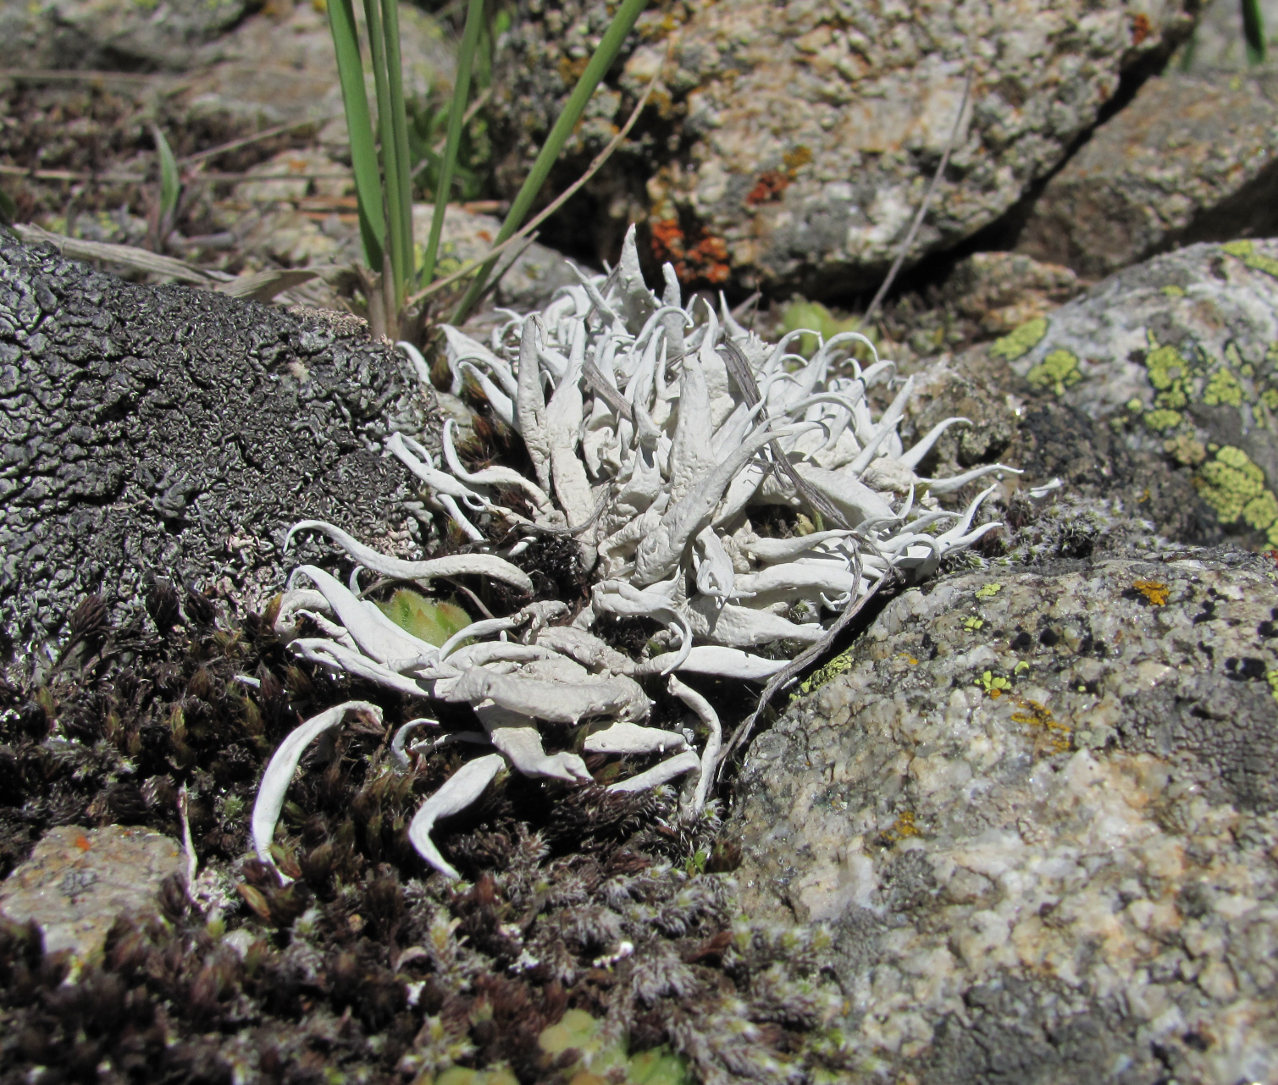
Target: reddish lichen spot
(1141,27)
(768,187)
(699,262)
(1153,590)
(83,842)
(667,238)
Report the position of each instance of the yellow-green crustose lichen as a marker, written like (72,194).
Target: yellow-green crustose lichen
(1058,371)
(1246,252)
(1223,388)
(1200,391)
(994,685)
(823,674)
(1169,373)
(1229,481)
(1020,341)
(1235,488)
(1269,391)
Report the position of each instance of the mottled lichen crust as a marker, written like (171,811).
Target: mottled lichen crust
(735,497)
(152,430)
(1043,812)
(1180,355)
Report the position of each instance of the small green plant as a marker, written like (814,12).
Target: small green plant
(431,620)
(163,214)
(816,318)
(1253,26)
(607,1060)
(380,154)
(1255,41)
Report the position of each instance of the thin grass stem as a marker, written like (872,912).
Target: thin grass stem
(359,127)
(452,145)
(599,63)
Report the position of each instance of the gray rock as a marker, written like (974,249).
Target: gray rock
(1175,358)
(168,431)
(79,880)
(110,35)
(279,68)
(276,231)
(999,291)
(1035,808)
(789,145)
(528,284)
(1192,158)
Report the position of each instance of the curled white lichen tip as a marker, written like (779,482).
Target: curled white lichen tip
(282,765)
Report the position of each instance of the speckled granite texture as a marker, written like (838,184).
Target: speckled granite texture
(787,146)
(1038,811)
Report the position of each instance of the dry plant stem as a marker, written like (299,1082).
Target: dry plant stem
(257,137)
(259,285)
(123,255)
(795,667)
(57,75)
(72,175)
(895,269)
(621,21)
(739,370)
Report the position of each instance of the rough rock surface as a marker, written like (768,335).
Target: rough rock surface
(1000,291)
(1191,158)
(172,432)
(277,67)
(789,146)
(110,35)
(1037,811)
(1177,359)
(78,880)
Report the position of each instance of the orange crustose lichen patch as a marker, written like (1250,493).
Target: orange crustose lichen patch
(769,186)
(702,261)
(1153,590)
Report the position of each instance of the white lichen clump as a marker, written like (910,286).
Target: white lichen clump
(658,436)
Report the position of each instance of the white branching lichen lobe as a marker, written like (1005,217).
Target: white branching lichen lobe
(663,439)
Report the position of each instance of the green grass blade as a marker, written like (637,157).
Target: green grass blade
(1254,31)
(452,143)
(598,66)
(385,141)
(170,182)
(395,155)
(359,125)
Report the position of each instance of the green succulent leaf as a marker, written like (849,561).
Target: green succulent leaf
(431,620)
